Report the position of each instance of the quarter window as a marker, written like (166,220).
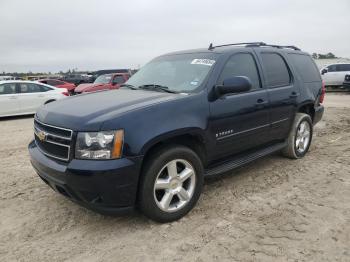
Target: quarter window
(242,64)
(276,71)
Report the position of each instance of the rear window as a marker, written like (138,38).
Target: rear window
(306,68)
(276,71)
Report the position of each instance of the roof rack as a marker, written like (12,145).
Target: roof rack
(255,44)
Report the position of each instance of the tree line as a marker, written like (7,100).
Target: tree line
(323,56)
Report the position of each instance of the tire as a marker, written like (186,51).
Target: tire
(154,197)
(296,133)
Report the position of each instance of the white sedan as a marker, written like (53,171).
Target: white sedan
(334,75)
(25,97)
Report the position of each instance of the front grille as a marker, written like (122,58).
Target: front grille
(53,141)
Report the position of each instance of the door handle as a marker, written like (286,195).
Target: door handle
(40,95)
(294,94)
(13,97)
(260,102)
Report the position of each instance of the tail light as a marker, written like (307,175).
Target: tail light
(65,93)
(323,92)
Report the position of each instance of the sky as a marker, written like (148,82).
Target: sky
(49,35)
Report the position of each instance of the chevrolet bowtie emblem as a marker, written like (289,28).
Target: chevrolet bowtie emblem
(42,135)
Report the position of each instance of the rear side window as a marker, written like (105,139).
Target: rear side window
(32,88)
(276,71)
(342,67)
(241,65)
(306,68)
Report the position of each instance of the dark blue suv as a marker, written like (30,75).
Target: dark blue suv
(182,117)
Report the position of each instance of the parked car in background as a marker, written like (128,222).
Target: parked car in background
(59,84)
(334,75)
(25,97)
(76,79)
(103,82)
(346,83)
(181,117)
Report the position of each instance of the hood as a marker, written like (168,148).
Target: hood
(84,87)
(87,112)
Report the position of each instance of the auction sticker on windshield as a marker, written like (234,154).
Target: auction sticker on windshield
(207,62)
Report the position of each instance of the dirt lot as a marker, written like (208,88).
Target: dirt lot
(276,209)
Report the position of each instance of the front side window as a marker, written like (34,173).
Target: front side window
(241,65)
(332,68)
(103,79)
(7,89)
(118,80)
(179,72)
(276,71)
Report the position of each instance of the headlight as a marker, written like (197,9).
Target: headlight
(99,145)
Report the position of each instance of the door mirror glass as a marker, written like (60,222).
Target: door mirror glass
(324,70)
(236,84)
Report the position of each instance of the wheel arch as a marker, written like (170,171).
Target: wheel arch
(307,108)
(191,138)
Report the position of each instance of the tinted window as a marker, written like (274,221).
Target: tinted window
(343,67)
(306,68)
(32,88)
(241,65)
(118,80)
(6,89)
(276,70)
(54,82)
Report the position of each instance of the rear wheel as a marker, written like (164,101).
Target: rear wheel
(171,184)
(300,137)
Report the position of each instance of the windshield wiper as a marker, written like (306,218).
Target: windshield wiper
(129,86)
(157,88)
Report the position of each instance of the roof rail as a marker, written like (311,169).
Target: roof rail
(255,44)
(211,47)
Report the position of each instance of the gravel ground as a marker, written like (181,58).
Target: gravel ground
(275,209)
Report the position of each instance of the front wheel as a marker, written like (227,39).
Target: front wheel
(171,183)
(300,137)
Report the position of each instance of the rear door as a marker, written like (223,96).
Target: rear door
(9,104)
(240,121)
(282,92)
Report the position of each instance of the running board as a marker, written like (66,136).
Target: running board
(242,160)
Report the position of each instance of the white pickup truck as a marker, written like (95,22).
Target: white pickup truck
(334,75)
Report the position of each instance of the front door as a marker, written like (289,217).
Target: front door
(239,121)
(9,104)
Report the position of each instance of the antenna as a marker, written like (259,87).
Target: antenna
(211,47)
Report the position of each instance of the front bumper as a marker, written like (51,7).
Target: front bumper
(319,110)
(105,186)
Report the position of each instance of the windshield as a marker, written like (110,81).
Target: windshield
(103,79)
(180,73)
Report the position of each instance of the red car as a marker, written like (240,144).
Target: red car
(58,83)
(103,82)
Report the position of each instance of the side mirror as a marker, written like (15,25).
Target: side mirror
(324,70)
(236,84)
